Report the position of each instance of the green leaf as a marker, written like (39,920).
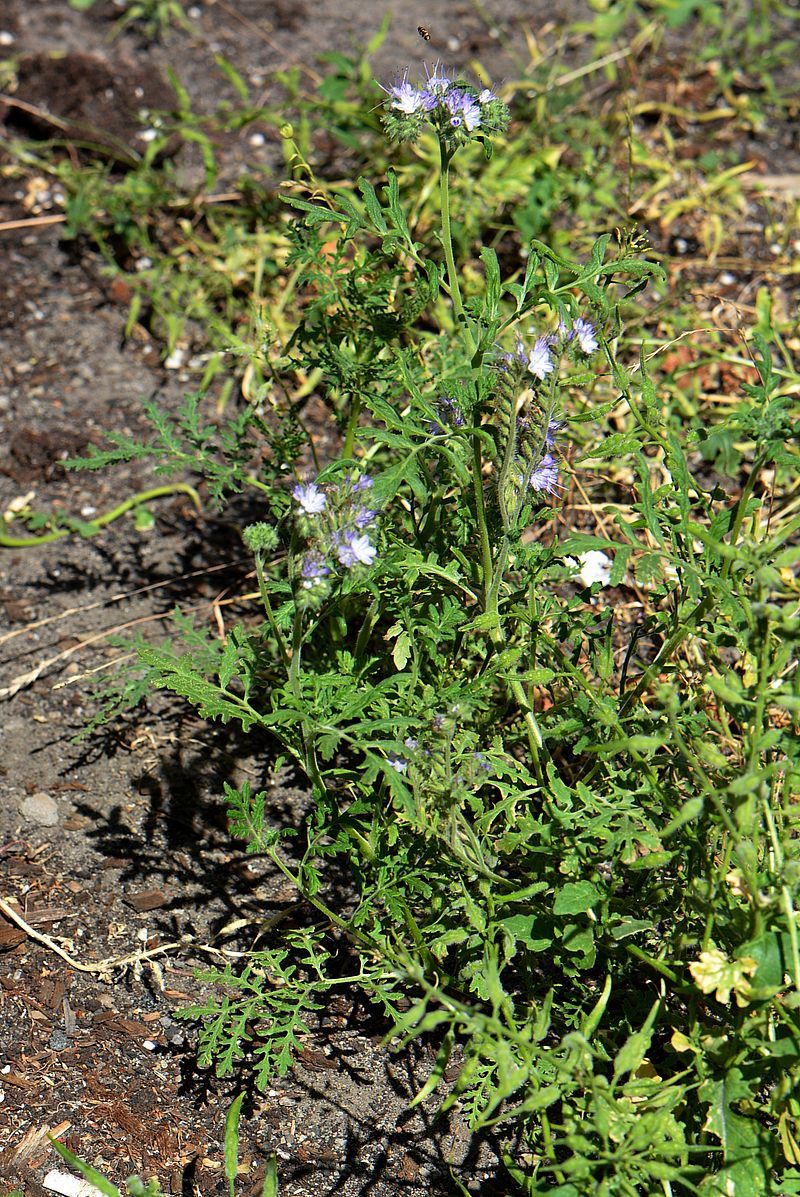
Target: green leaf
(576,897)
(691,810)
(372,204)
(746,1174)
(636,1046)
(86,1170)
(401,651)
(234,78)
(270,1186)
(491,296)
(772,952)
(395,208)
(523,928)
(231,1142)
(652,860)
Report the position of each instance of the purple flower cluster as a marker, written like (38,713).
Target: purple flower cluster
(454,107)
(539,362)
(337,525)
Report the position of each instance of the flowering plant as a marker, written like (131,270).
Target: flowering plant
(528,795)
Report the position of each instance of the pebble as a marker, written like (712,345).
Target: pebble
(59,1042)
(40,809)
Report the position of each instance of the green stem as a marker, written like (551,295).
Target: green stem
(92,527)
(276,632)
(480,515)
(658,965)
(741,510)
(352,425)
(447,238)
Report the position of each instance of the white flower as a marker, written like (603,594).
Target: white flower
(714,973)
(438,82)
(356,550)
(584,331)
(310,498)
(363,549)
(406,98)
(540,363)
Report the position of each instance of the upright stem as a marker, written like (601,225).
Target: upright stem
(492,571)
(458,310)
(447,241)
(270,614)
(352,425)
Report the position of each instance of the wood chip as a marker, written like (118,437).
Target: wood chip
(147,899)
(67,1185)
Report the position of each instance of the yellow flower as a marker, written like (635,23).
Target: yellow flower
(714,973)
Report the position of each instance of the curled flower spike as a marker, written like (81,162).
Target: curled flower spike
(310,498)
(553,427)
(365,516)
(583,332)
(449,415)
(464,110)
(313,570)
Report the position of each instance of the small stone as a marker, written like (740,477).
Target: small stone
(40,809)
(59,1042)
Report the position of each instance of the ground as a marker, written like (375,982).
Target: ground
(116,845)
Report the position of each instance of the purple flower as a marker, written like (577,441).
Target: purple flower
(464,110)
(313,570)
(314,566)
(406,98)
(395,763)
(362,483)
(438,82)
(545,476)
(540,363)
(310,498)
(364,517)
(584,331)
(355,550)
(550,435)
(486,96)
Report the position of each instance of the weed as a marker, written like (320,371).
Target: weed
(153,17)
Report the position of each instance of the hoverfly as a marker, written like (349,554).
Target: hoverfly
(424,33)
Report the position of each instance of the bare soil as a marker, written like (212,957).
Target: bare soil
(138,855)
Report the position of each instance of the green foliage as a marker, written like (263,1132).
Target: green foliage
(153,17)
